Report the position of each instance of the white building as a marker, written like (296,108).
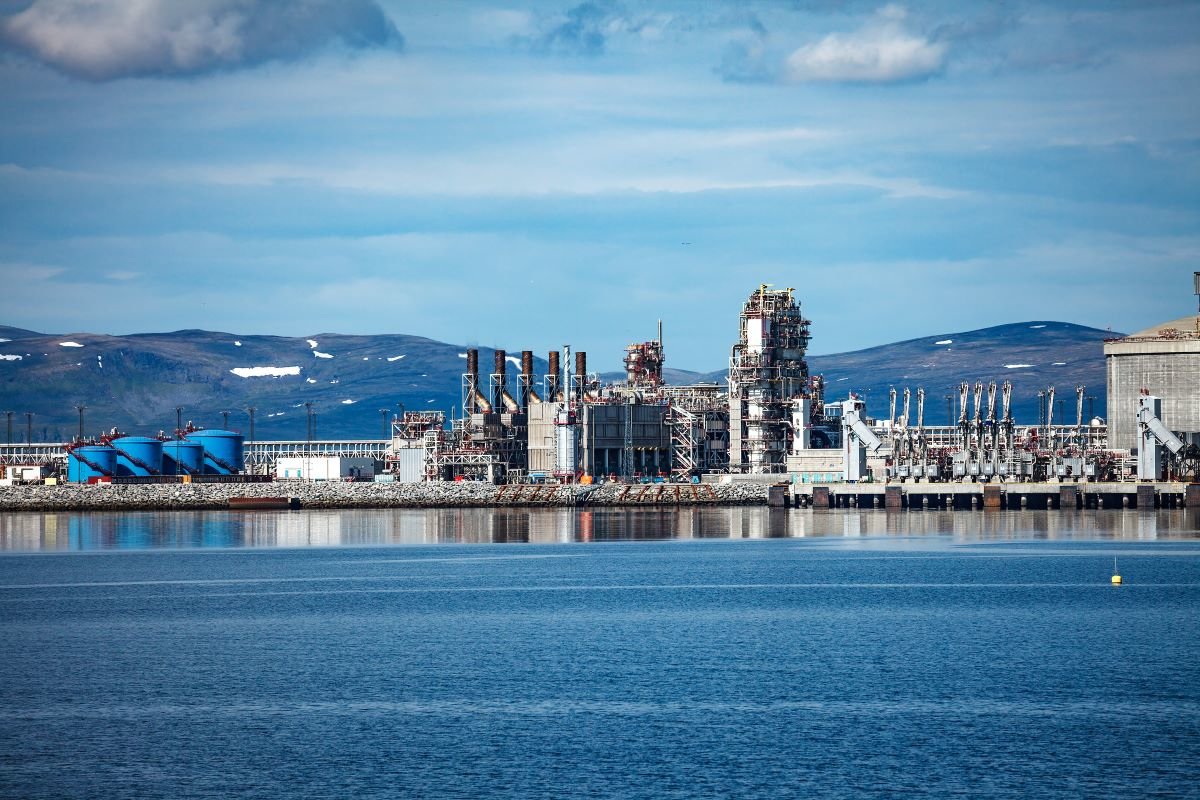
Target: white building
(323,468)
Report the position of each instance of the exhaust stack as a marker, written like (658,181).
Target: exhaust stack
(528,394)
(500,396)
(580,387)
(474,401)
(553,390)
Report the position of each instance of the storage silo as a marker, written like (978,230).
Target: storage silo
(181,457)
(94,461)
(138,455)
(222,451)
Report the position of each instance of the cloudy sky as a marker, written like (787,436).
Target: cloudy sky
(531,174)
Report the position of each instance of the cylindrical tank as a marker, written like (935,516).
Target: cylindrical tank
(91,462)
(138,455)
(222,451)
(181,457)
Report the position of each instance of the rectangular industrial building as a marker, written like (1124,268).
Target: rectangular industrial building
(1165,362)
(623,439)
(324,468)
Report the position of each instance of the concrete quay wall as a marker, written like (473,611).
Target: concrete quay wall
(166,497)
(1014,496)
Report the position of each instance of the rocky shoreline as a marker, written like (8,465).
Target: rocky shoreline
(197,496)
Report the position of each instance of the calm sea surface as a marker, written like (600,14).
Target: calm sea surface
(712,653)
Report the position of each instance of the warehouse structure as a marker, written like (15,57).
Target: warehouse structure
(1163,360)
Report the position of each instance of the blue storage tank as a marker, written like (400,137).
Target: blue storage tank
(138,455)
(96,461)
(222,451)
(182,457)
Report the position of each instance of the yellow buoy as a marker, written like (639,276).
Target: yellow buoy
(1116,579)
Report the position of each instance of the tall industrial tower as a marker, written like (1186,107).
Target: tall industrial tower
(767,371)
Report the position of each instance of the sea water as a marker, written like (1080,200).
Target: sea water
(643,654)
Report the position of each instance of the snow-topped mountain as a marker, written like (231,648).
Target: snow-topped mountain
(135,382)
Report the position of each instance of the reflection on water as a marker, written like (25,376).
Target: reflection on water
(358,527)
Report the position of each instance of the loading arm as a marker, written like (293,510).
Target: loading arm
(1156,428)
(860,429)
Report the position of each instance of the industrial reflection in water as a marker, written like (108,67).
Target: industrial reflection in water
(48,532)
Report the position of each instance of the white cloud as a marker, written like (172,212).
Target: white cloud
(514,178)
(29,272)
(502,23)
(882,51)
(102,40)
(122,275)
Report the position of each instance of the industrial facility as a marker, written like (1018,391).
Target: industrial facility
(769,422)
(191,454)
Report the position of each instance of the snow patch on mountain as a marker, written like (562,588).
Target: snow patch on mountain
(264,372)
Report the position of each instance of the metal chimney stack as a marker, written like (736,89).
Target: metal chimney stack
(499,380)
(471,390)
(552,388)
(528,395)
(580,375)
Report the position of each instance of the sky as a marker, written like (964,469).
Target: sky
(528,175)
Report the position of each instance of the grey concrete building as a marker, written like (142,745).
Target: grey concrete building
(614,439)
(1165,361)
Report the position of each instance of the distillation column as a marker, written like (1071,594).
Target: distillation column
(767,372)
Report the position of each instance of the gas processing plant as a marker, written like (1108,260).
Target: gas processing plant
(770,422)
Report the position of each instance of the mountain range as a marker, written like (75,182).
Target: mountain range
(135,382)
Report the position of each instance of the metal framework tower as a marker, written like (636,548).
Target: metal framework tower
(767,371)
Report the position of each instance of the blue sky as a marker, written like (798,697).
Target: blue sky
(527,175)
